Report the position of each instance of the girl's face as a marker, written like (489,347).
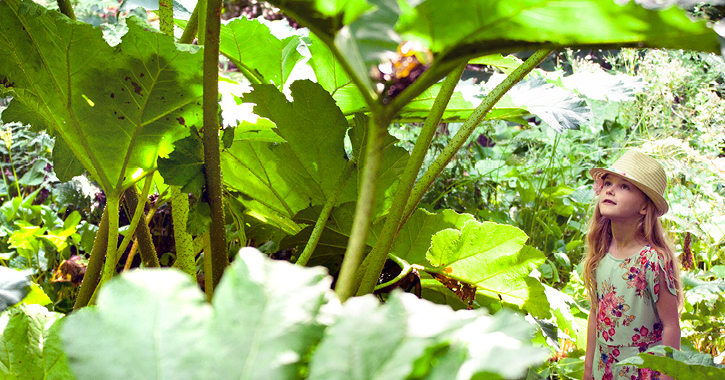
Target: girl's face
(621,200)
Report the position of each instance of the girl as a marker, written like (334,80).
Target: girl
(630,271)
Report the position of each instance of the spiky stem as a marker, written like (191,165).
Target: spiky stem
(374,262)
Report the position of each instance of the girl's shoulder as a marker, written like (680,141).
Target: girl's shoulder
(651,253)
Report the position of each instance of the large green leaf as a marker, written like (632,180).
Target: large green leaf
(117,109)
(492,257)
(680,365)
(156,324)
(269,318)
(301,171)
(403,336)
(414,239)
(483,26)
(30,346)
(185,165)
(257,53)
(332,77)
(392,166)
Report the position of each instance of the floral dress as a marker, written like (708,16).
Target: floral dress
(627,318)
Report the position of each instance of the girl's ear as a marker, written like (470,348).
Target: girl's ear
(643,209)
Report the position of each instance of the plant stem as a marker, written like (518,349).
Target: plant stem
(137,213)
(109,267)
(184,246)
(201,30)
(15,175)
(66,8)
(375,260)
(346,284)
(166,17)
(146,248)
(191,27)
(208,281)
(131,255)
(460,138)
(325,214)
(212,161)
(95,264)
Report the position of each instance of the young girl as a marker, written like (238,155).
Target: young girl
(630,271)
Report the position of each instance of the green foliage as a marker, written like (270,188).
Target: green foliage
(493,258)
(269,318)
(114,127)
(681,365)
(30,346)
(305,158)
(260,56)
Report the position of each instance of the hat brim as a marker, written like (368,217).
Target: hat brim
(657,199)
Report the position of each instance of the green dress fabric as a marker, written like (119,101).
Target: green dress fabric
(627,318)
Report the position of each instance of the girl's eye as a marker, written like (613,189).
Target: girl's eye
(607,183)
(625,187)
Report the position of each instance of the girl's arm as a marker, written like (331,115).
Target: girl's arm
(670,317)
(591,343)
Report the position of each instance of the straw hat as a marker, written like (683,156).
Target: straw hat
(642,171)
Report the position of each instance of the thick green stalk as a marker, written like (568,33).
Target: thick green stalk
(460,138)
(184,247)
(137,214)
(191,27)
(95,264)
(146,248)
(325,213)
(66,8)
(201,30)
(166,17)
(346,284)
(208,281)
(109,267)
(375,260)
(212,161)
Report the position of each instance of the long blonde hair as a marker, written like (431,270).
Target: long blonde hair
(599,237)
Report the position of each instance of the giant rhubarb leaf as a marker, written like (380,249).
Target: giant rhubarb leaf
(257,53)
(687,364)
(492,257)
(30,346)
(116,108)
(457,31)
(301,168)
(268,319)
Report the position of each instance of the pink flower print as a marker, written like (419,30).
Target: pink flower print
(635,338)
(605,335)
(646,374)
(615,352)
(644,331)
(623,174)
(657,289)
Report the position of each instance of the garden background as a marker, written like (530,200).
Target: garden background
(378,140)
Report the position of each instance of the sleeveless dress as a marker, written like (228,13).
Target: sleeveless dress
(627,319)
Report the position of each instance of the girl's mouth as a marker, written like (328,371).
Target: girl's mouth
(611,202)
